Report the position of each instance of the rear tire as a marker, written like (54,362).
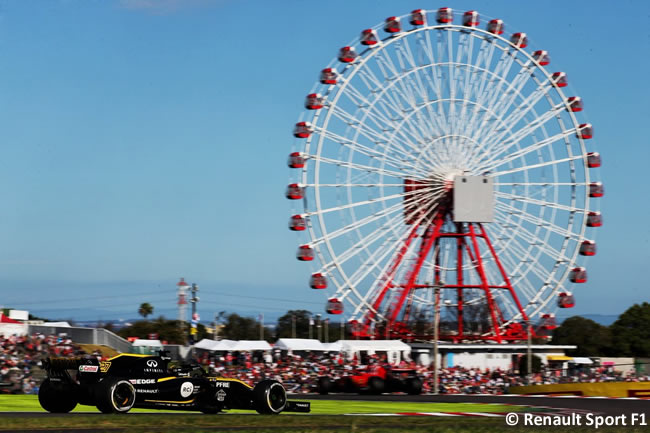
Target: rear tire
(57,398)
(115,395)
(324,385)
(269,397)
(413,386)
(376,385)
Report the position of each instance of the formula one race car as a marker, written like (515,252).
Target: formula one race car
(145,381)
(373,379)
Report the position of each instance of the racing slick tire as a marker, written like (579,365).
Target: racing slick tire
(324,385)
(269,397)
(376,385)
(208,403)
(115,395)
(56,399)
(413,386)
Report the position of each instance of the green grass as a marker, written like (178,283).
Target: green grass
(326,417)
(29,403)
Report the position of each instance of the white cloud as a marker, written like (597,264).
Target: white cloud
(166,6)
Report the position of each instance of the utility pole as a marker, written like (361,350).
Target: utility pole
(182,305)
(261,326)
(529,352)
(327,330)
(318,327)
(436,320)
(195,317)
(311,323)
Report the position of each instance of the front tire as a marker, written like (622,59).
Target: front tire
(376,385)
(324,385)
(56,398)
(115,395)
(269,397)
(413,386)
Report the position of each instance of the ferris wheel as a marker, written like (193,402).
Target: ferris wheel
(441,165)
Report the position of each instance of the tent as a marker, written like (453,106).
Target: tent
(249,345)
(215,345)
(395,349)
(581,360)
(332,347)
(146,347)
(11,327)
(299,344)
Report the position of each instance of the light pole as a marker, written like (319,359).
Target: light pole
(436,320)
(529,352)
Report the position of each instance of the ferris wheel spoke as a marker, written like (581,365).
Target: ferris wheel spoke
(491,163)
(356,166)
(554,205)
(498,143)
(530,167)
(538,221)
(400,163)
(373,135)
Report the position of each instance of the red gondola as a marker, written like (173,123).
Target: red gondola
(347,55)
(565,300)
(519,40)
(495,27)
(542,57)
(328,76)
(369,37)
(585,131)
(296,160)
(578,275)
(444,16)
(574,103)
(318,281)
(305,253)
(559,79)
(314,101)
(588,248)
(294,192)
(334,306)
(297,223)
(470,19)
(418,17)
(593,160)
(393,25)
(548,322)
(594,219)
(596,189)
(302,130)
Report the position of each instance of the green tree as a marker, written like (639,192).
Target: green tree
(592,339)
(237,327)
(167,330)
(631,331)
(284,328)
(145,309)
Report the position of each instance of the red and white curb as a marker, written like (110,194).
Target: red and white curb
(550,396)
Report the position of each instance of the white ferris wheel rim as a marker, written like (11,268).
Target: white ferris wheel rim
(333,259)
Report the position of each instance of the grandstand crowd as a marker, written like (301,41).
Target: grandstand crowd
(20,372)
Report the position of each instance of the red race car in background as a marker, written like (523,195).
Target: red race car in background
(372,379)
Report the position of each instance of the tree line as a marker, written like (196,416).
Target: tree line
(629,335)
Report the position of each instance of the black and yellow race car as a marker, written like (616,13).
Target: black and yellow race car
(148,381)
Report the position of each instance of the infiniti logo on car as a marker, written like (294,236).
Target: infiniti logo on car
(152,363)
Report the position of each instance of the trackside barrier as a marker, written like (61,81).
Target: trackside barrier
(85,336)
(595,389)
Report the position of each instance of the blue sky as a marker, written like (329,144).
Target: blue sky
(144,140)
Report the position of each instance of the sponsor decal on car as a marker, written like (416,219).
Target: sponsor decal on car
(186,389)
(88,368)
(222,384)
(221,395)
(104,366)
(142,381)
(146,391)
(152,363)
